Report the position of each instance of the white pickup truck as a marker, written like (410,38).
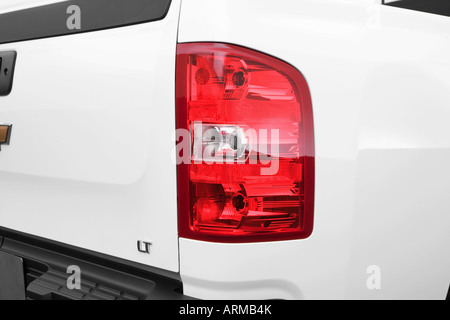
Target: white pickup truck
(238,149)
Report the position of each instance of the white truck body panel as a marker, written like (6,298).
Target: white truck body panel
(379,81)
(15,5)
(89,161)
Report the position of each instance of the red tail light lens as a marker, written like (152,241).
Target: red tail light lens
(247,146)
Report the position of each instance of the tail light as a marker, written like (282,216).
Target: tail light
(245,135)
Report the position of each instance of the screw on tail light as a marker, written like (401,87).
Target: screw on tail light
(250,170)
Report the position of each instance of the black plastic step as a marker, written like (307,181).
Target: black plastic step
(46,273)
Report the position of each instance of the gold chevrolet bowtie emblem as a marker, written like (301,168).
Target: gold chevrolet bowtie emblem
(5,134)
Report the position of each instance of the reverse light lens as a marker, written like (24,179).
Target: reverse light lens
(250,173)
(217,142)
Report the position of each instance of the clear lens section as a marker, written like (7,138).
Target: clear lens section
(218,143)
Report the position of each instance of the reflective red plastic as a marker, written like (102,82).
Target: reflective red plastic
(250,174)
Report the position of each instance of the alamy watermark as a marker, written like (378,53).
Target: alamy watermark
(74,20)
(228,144)
(373,282)
(374,15)
(74,280)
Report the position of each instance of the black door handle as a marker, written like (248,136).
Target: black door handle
(7,63)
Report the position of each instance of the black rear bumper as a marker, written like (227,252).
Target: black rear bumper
(45,271)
